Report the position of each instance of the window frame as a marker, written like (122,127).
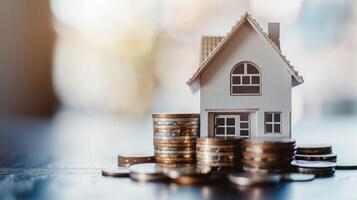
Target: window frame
(245,74)
(273,123)
(236,126)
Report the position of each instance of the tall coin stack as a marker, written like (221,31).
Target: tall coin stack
(175,138)
(220,153)
(268,155)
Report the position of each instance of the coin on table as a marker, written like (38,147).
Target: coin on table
(269,142)
(314,149)
(190,175)
(298,177)
(147,172)
(316,157)
(313,164)
(252,179)
(116,172)
(127,160)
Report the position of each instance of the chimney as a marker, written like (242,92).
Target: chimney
(274,33)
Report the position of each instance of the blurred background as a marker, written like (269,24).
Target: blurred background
(101,67)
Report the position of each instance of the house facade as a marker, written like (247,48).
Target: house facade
(245,83)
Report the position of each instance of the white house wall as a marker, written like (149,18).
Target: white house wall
(247,45)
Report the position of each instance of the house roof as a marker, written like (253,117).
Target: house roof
(220,43)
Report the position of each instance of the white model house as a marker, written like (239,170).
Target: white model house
(245,83)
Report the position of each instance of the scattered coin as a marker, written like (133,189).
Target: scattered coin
(298,177)
(252,179)
(127,160)
(314,149)
(116,172)
(147,172)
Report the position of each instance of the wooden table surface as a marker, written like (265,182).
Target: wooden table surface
(61,158)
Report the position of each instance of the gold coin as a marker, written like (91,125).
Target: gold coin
(185,115)
(127,160)
(218,141)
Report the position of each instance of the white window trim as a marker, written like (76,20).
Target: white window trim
(273,122)
(245,74)
(236,126)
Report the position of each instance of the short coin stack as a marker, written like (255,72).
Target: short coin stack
(268,155)
(315,159)
(316,152)
(220,153)
(175,138)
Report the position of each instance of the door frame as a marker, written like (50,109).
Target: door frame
(211,113)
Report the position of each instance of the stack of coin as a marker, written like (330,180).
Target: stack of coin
(268,155)
(315,152)
(175,138)
(218,153)
(319,168)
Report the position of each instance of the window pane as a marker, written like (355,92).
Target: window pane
(277,117)
(230,121)
(255,80)
(268,117)
(268,128)
(244,117)
(246,89)
(220,131)
(244,133)
(246,80)
(244,125)
(220,121)
(276,128)
(252,69)
(230,130)
(236,79)
(239,69)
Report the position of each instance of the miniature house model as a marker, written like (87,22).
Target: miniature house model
(245,83)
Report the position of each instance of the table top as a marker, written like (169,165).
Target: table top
(62,157)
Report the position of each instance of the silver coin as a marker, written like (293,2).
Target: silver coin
(116,172)
(346,166)
(324,157)
(147,172)
(313,164)
(298,177)
(251,179)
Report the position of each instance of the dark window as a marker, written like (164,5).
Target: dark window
(276,128)
(239,69)
(246,89)
(251,69)
(244,133)
(277,117)
(244,117)
(268,117)
(230,130)
(273,122)
(230,121)
(220,131)
(244,125)
(268,128)
(255,80)
(220,121)
(236,79)
(245,79)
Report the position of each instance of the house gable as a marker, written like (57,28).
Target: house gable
(296,79)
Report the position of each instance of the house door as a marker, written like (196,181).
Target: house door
(232,124)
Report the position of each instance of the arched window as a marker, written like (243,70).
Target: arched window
(245,79)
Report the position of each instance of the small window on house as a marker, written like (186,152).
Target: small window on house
(272,122)
(245,79)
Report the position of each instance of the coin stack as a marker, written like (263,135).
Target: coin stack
(268,155)
(175,138)
(219,153)
(315,159)
(316,152)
